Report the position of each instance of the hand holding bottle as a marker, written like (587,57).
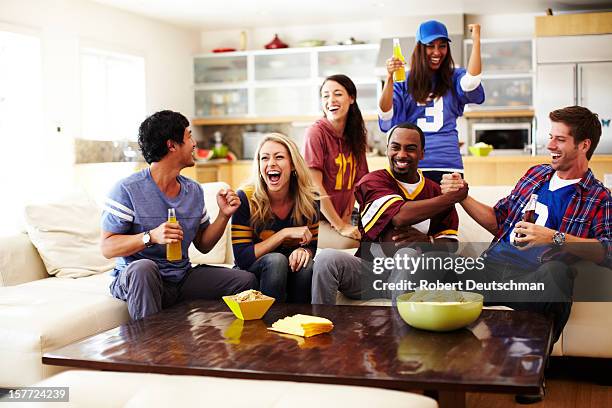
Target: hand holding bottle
(167,233)
(174,251)
(393,65)
(399,70)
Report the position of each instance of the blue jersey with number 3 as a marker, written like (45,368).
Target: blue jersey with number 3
(550,208)
(437,119)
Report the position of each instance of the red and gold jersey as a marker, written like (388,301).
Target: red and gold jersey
(327,152)
(380,197)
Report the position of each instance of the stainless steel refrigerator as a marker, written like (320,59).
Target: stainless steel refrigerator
(574,70)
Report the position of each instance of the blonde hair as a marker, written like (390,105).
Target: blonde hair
(300,187)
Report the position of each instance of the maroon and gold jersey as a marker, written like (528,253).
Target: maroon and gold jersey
(380,197)
(326,151)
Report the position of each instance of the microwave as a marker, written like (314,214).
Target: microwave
(506,138)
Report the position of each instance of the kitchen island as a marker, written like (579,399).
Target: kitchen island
(479,171)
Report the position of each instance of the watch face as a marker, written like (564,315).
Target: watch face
(559,238)
(146,238)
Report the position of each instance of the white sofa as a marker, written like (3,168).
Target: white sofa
(39,313)
(137,390)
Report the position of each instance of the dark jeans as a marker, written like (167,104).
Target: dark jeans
(555,302)
(141,285)
(278,281)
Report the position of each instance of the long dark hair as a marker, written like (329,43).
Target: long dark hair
(355,132)
(421,81)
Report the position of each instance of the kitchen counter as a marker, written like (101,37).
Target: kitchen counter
(506,170)
(491,170)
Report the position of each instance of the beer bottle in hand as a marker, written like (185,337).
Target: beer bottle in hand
(400,74)
(174,251)
(528,216)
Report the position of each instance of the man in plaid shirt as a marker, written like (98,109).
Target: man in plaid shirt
(573,221)
(574,217)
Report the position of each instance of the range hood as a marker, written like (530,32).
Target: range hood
(385,51)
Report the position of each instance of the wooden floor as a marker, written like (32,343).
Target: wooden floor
(570,382)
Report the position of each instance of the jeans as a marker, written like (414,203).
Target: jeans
(336,271)
(278,281)
(146,292)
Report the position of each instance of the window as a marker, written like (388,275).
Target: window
(112,95)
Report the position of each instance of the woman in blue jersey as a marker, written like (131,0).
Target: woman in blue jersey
(433,96)
(276,227)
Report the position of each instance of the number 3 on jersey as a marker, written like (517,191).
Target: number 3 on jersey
(343,162)
(436,111)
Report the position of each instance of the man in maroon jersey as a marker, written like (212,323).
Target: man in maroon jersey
(399,207)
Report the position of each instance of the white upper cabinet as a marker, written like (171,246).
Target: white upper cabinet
(357,64)
(219,68)
(280,82)
(282,66)
(508,69)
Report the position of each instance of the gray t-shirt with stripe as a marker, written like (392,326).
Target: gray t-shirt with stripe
(136,204)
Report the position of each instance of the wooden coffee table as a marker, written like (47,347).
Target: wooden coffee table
(503,351)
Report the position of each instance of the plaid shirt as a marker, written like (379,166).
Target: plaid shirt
(588,215)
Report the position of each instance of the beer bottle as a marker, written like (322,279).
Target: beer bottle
(400,74)
(174,251)
(528,216)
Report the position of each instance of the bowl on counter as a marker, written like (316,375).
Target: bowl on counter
(439,311)
(480,150)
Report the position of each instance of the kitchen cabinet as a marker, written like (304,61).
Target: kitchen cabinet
(295,65)
(568,73)
(221,102)
(507,73)
(220,69)
(279,83)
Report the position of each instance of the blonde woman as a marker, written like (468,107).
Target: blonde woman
(276,227)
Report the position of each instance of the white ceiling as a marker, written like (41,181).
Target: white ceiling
(209,15)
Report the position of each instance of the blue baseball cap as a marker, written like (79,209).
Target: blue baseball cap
(431,30)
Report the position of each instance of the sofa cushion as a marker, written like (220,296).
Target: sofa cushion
(49,313)
(19,261)
(135,390)
(66,234)
(217,254)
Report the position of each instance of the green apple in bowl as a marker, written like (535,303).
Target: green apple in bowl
(220,152)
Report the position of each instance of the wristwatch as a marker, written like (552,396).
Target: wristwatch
(146,239)
(558,238)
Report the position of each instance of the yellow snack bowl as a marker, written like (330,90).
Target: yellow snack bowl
(249,310)
(481,151)
(440,316)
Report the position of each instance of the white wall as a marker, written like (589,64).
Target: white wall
(64,26)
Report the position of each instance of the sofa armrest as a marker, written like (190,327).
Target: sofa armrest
(19,261)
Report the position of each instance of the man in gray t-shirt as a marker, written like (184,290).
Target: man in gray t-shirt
(136,231)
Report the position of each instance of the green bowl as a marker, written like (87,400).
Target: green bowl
(480,151)
(440,316)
